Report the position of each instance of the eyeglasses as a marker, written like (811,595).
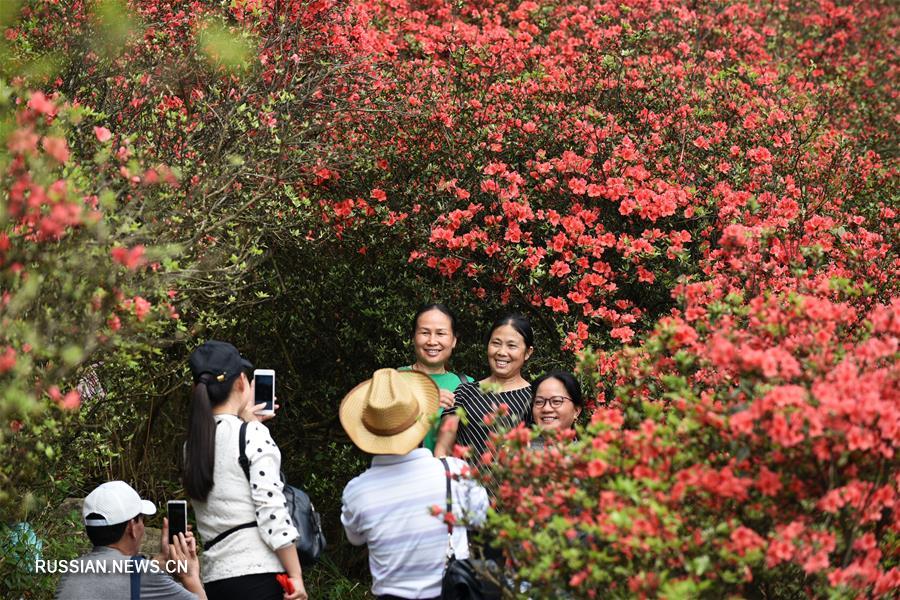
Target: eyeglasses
(555,401)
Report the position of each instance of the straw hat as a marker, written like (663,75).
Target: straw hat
(389,414)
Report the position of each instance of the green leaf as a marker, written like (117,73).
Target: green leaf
(115,25)
(71,355)
(224,47)
(9,11)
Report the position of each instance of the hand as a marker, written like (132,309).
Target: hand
(249,410)
(447,399)
(164,546)
(299,590)
(446,436)
(184,548)
(266,417)
(250,413)
(164,543)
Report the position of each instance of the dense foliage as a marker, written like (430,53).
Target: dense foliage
(695,202)
(751,450)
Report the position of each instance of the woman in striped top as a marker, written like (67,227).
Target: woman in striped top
(510,344)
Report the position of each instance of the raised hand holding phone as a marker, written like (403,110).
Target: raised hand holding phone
(253,410)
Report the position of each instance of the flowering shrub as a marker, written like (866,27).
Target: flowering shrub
(750,451)
(580,159)
(697,200)
(718,170)
(147,160)
(70,235)
(128,181)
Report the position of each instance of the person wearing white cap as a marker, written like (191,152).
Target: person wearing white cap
(114,520)
(390,507)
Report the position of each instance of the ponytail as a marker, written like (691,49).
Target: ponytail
(200,449)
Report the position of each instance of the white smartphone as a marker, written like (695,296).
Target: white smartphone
(264,384)
(177,510)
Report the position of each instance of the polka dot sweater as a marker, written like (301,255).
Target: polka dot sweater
(232,501)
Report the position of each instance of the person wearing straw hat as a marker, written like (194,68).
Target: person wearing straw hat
(391,507)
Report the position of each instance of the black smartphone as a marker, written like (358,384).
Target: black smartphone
(264,386)
(177,518)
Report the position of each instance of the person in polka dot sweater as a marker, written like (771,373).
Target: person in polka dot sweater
(239,560)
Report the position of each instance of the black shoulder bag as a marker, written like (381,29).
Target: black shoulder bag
(304,517)
(461,579)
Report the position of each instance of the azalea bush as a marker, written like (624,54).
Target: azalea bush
(71,237)
(577,160)
(175,143)
(696,203)
(719,172)
(748,452)
(137,139)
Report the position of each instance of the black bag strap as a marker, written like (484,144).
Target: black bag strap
(448,477)
(245,466)
(136,578)
(226,533)
(451,552)
(463,378)
(242,452)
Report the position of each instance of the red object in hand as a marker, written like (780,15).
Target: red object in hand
(285,582)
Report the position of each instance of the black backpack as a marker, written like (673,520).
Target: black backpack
(308,522)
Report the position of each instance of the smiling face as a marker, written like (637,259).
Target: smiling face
(507,352)
(433,341)
(554,419)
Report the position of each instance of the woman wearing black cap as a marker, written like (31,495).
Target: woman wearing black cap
(240,560)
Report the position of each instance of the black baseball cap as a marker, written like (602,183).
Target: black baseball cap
(221,360)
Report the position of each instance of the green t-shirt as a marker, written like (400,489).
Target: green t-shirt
(445,381)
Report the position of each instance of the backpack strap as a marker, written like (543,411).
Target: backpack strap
(225,534)
(245,467)
(136,578)
(242,452)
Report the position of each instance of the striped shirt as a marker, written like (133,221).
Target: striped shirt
(478,405)
(388,507)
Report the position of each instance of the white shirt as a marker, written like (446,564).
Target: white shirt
(233,501)
(389,507)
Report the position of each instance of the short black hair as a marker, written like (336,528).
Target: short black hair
(573,388)
(517,322)
(438,307)
(569,382)
(104,535)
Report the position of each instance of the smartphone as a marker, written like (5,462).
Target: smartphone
(264,383)
(177,518)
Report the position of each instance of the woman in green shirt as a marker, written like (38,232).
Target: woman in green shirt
(434,338)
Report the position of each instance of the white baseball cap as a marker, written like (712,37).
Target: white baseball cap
(116,502)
